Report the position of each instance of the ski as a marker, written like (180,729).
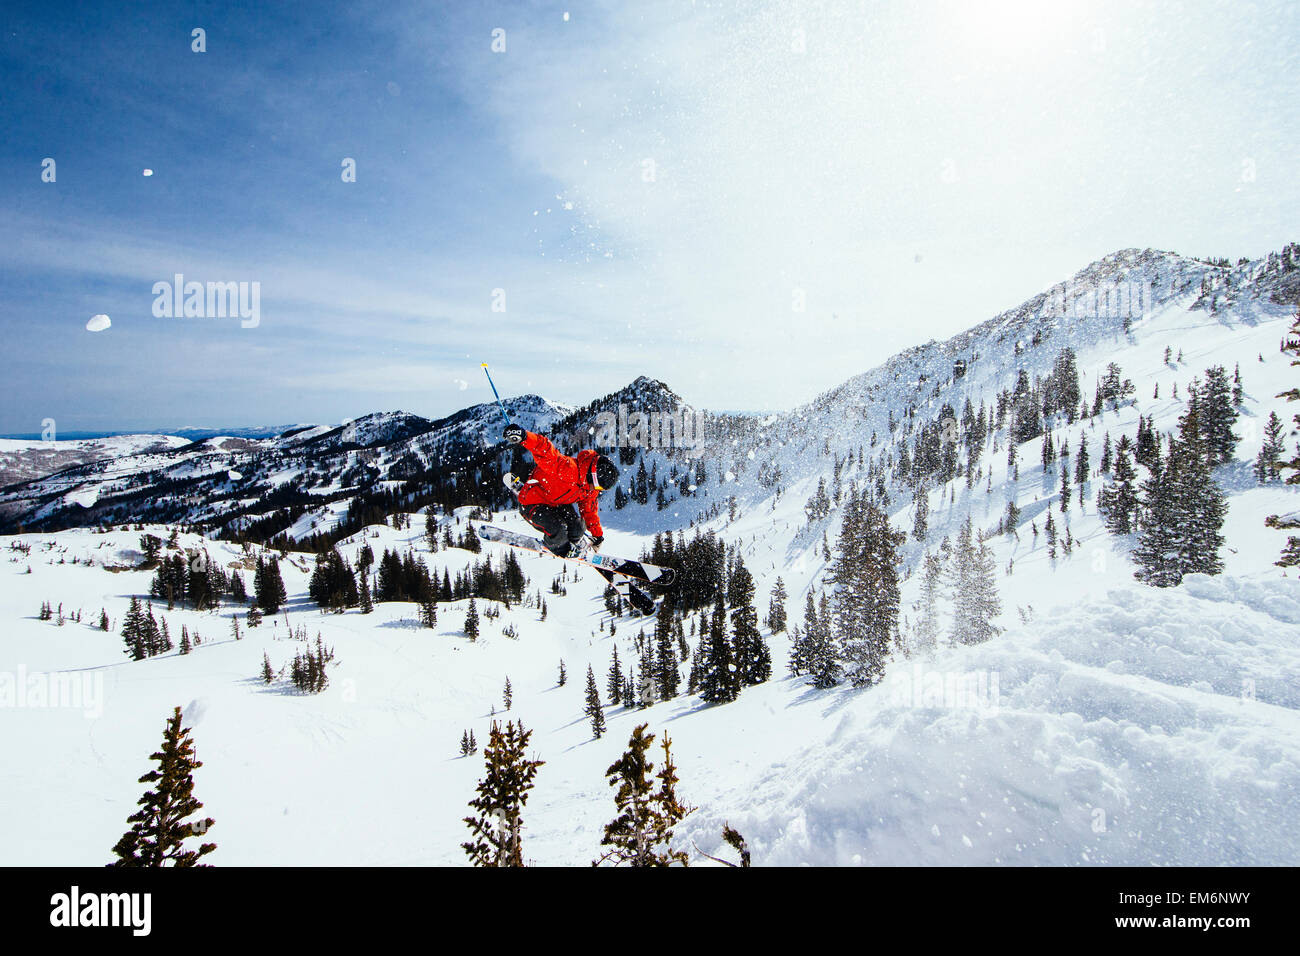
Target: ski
(649,573)
(642,601)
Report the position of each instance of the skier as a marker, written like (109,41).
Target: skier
(557,483)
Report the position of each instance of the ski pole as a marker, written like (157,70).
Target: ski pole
(494,392)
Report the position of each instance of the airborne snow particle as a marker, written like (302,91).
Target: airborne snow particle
(234,475)
(394,89)
(98,323)
(461,383)
(148,172)
(86,497)
(566,16)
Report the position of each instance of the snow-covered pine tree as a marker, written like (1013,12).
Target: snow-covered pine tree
(1270,452)
(269,585)
(776,619)
(866,590)
(429,610)
(647,690)
(1218,415)
(718,682)
(497,828)
(1081,465)
(471,621)
(800,662)
(614,681)
(752,658)
(1182,514)
(927,607)
(641,834)
(367,603)
(159,828)
(667,677)
(593,709)
(921,508)
(824,664)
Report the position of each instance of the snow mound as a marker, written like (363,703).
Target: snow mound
(1124,732)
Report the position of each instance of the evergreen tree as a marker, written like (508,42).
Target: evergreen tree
(133,630)
(1270,452)
(642,833)
(752,658)
(928,605)
(614,682)
(1119,499)
(921,506)
(800,662)
(507,694)
(497,828)
(159,828)
(718,682)
(824,664)
(1182,516)
(1081,464)
(564,677)
(269,585)
(647,691)
(975,600)
(866,590)
(1218,416)
(471,621)
(268,674)
(667,677)
(593,710)
(367,604)
(776,620)
(428,610)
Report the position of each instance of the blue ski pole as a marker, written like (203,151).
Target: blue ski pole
(494,392)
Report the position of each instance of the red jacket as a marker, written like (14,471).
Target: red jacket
(560,480)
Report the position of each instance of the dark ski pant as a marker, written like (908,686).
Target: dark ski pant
(560,525)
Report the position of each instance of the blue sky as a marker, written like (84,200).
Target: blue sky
(651,185)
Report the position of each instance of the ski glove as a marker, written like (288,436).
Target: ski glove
(514,433)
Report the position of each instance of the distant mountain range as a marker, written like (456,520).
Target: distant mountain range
(303,478)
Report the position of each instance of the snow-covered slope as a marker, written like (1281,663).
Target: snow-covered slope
(1108,723)
(24,459)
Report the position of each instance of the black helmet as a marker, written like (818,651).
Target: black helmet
(603,473)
